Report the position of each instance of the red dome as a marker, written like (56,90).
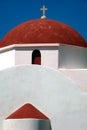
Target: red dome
(0,42)
(43,31)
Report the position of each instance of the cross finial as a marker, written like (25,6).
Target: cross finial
(44,12)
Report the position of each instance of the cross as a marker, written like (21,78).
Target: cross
(44,11)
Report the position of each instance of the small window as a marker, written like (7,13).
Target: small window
(36,57)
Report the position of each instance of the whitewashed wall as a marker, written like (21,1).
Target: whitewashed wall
(55,56)
(55,95)
(23,56)
(72,57)
(7,59)
(49,56)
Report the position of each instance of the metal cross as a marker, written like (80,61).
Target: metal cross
(44,11)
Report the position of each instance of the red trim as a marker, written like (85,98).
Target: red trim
(27,111)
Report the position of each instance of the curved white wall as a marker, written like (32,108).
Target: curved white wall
(55,95)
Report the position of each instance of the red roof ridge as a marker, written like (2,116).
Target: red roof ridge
(27,111)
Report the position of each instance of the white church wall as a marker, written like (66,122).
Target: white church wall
(26,124)
(7,59)
(23,56)
(49,55)
(77,75)
(72,57)
(55,56)
(55,95)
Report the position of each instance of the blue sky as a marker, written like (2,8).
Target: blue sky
(71,12)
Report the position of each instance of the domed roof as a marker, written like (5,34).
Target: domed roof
(43,31)
(27,111)
(0,42)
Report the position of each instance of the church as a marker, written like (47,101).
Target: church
(43,77)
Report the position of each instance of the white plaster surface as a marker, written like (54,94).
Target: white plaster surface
(23,56)
(27,124)
(77,75)
(72,57)
(50,91)
(7,59)
(49,56)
